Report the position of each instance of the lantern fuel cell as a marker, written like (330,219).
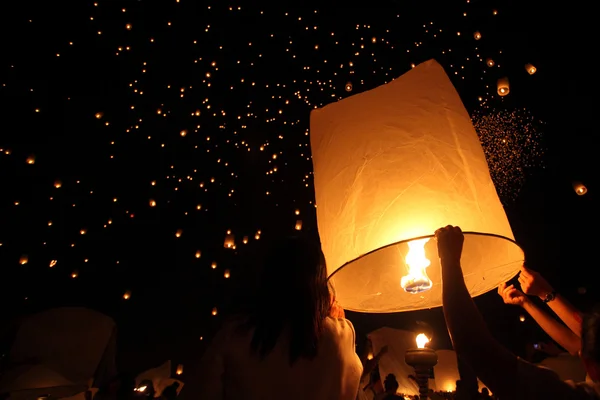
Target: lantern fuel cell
(391,166)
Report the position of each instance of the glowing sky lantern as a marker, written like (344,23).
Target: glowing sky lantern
(298,226)
(229,242)
(503,87)
(579,188)
(392,165)
(477,35)
(530,68)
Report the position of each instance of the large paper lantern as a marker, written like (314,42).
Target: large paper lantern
(392,165)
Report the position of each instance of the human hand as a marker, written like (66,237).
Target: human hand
(534,284)
(510,295)
(450,243)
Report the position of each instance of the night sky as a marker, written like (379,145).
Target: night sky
(136,134)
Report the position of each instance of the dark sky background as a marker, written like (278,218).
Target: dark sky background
(51,91)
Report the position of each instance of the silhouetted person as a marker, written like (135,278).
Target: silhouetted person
(507,376)
(390,386)
(288,346)
(170,392)
(485,394)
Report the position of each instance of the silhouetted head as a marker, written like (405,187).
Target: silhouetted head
(590,343)
(391,384)
(293,293)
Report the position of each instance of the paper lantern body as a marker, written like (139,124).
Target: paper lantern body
(392,165)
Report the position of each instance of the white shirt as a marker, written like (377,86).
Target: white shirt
(230,370)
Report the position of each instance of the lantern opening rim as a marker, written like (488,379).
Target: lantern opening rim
(469,233)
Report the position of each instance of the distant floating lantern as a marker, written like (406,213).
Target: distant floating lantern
(298,226)
(383,194)
(74,274)
(57,184)
(152,203)
(522,318)
(374,39)
(297,212)
(477,35)
(128,27)
(214,311)
(245,240)
(179,369)
(530,69)
(349,87)
(127,295)
(178,233)
(24,259)
(227,274)
(183,133)
(229,242)
(213,265)
(579,188)
(99,115)
(31,159)
(503,87)
(198,254)
(257,236)
(489,62)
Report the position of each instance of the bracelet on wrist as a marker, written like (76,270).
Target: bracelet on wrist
(550,296)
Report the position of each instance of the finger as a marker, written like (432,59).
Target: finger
(507,288)
(525,271)
(457,229)
(501,287)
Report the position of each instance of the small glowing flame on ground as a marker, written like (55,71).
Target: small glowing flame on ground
(417,280)
(422,340)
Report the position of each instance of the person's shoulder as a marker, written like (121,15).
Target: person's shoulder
(340,327)
(339,324)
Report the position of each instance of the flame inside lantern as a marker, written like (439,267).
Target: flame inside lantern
(417,280)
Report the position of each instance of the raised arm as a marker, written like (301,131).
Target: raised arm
(498,368)
(560,333)
(534,284)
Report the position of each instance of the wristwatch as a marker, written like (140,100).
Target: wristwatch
(550,296)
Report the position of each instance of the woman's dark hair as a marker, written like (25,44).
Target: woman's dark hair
(590,335)
(293,293)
